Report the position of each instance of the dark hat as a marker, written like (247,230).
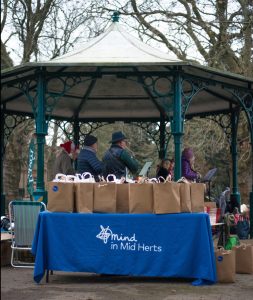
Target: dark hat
(117,137)
(90,140)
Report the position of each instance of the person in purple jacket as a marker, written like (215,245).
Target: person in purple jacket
(187,165)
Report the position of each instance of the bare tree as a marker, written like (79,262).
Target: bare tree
(36,30)
(216,33)
(66,27)
(27,18)
(16,157)
(6,61)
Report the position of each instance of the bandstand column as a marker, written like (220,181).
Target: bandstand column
(235,195)
(41,131)
(162,138)
(177,125)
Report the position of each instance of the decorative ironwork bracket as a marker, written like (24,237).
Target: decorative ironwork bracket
(10,123)
(190,87)
(245,99)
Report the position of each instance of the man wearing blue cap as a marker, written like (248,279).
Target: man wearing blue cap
(117,159)
(87,160)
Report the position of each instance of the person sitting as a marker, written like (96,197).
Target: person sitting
(163,172)
(188,159)
(117,159)
(87,160)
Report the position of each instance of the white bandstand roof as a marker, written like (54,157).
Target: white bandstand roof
(115,45)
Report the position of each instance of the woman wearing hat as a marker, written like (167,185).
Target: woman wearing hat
(63,161)
(117,159)
(87,160)
(187,165)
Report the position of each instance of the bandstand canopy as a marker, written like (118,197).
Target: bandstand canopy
(116,76)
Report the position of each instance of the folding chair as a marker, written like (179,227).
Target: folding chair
(24,215)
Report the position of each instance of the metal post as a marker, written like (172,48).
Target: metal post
(76,131)
(162,137)
(2,162)
(177,125)
(41,131)
(235,195)
(76,136)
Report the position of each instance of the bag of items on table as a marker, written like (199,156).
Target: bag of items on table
(61,194)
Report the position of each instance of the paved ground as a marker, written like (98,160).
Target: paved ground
(18,284)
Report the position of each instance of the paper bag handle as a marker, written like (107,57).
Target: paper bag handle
(183,179)
(87,175)
(111,176)
(70,178)
(60,177)
(114,179)
(153,180)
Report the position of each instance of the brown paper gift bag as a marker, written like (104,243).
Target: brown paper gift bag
(141,198)
(166,197)
(104,197)
(185,197)
(60,196)
(122,198)
(84,197)
(225,265)
(197,197)
(244,259)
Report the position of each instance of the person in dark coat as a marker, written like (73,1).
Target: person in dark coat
(87,160)
(187,165)
(117,159)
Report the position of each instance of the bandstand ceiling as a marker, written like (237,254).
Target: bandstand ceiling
(113,76)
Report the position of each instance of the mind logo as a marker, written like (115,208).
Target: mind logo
(104,234)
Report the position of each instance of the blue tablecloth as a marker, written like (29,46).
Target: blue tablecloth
(170,245)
